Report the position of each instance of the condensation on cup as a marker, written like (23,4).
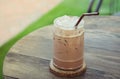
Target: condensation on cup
(68,57)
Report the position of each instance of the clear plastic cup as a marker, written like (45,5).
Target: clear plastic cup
(68,45)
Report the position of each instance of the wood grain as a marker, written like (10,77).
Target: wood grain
(38,68)
(29,57)
(8,77)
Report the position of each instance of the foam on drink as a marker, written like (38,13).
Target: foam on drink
(67,22)
(65,26)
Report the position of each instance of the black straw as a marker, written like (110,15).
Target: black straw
(85,14)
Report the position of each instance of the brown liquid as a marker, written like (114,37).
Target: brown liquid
(68,49)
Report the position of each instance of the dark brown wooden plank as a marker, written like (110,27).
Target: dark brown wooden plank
(8,77)
(37,68)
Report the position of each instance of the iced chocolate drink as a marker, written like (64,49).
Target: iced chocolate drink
(68,57)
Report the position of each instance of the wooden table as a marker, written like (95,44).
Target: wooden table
(29,58)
